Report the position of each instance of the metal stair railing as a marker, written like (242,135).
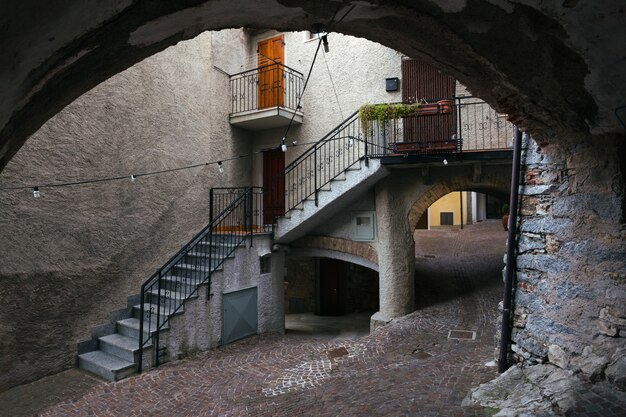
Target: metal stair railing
(474,126)
(338,151)
(165,292)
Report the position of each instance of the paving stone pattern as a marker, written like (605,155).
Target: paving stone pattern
(407,368)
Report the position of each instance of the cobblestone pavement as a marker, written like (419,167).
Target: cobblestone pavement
(408,368)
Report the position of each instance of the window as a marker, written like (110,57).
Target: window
(266,264)
(364,225)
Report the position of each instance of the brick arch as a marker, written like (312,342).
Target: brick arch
(358,249)
(497,187)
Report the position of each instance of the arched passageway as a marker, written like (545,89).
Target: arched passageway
(52,56)
(552,79)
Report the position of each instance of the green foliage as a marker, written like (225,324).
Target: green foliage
(505,209)
(381,113)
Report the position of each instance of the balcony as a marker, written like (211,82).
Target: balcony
(266,97)
(468,126)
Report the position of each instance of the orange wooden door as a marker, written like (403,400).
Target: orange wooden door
(271,52)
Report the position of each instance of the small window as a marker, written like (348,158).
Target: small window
(363,225)
(266,264)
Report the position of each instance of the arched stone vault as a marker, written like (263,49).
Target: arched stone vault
(439,190)
(545,64)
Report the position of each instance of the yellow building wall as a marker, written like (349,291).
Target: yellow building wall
(448,203)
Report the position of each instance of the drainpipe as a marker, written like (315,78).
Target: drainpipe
(505,337)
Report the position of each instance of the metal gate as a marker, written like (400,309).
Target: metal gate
(239,315)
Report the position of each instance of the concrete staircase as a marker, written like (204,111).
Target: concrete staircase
(331,198)
(113,351)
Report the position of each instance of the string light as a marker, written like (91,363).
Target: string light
(445,162)
(283,146)
(37,193)
(220,167)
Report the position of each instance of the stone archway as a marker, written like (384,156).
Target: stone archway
(54,55)
(420,205)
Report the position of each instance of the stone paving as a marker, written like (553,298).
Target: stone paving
(407,368)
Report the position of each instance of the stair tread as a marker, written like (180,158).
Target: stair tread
(174,295)
(192,267)
(186,280)
(147,307)
(106,360)
(134,324)
(124,342)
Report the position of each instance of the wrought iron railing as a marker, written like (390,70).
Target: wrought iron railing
(221,198)
(447,132)
(165,292)
(273,85)
(481,127)
(342,148)
(471,125)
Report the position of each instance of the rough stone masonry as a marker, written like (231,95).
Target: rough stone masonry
(571,266)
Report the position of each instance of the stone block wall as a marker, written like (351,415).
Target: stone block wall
(570,297)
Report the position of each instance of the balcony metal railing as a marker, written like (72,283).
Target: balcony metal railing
(471,125)
(273,85)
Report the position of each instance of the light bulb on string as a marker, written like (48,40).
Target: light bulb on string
(220,167)
(36,192)
(445,162)
(283,146)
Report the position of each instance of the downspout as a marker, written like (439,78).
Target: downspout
(505,337)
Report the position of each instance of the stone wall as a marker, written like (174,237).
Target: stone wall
(70,257)
(571,266)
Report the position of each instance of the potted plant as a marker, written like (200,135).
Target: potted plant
(505,216)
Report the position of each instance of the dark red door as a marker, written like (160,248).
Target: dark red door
(422,81)
(332,286)
(273,185)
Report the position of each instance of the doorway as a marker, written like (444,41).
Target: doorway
(332,287)
(423,81)
(271,54)
(273,185)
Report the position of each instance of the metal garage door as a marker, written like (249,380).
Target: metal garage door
(239,313)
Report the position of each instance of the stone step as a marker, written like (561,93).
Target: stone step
(180,283)
(182,267)
(150,310)
(169,299)
(124,347)
(109,367)
(130,327)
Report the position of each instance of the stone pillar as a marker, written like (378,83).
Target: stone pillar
(278,290)
(571,266)
(396,258)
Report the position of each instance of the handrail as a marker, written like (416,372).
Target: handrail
(266,66)
(470,125)
(269,86)
(169,290)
